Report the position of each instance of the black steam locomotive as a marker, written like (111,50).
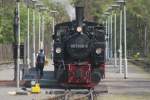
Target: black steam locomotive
(79,48)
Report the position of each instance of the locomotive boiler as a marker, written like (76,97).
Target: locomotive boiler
(78,52)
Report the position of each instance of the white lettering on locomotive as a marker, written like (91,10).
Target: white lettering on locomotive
(78,46)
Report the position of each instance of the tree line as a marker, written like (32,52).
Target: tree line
(138,19)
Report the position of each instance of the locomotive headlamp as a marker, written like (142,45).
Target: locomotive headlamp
(58,50)
(79,29)
(98,50)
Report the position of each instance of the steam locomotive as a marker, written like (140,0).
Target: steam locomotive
(78,55)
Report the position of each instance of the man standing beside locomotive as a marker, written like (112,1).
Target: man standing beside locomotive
(40,62)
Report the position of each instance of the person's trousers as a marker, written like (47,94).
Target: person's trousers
(40,67)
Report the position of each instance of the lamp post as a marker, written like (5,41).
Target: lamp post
(53,27)
(106,39)
(33,30)
(28,40)
(120,42)
(145,39)
(18,48)
(53,12)
(109,37)
(39,30)
(105,23)
(111,30)
(110,10)
(108,34)
(43,30)
(111,34)
(106,14)
(123,4)
(39,39)
(125,43)
(43,26)
(115,43)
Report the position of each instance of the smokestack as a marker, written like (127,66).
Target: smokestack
(79,15)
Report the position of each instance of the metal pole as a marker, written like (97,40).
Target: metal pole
(43,30)
(39,30)
(106,40)
(109,37)
(33,38)
(115,54)
(145,41)
(18,49)
(125,45)
(28,40)
(120,42)
(53,32)
(108,31)
(111,32)
(53,24)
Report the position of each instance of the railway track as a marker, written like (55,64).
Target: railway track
(79,94)
(71,95)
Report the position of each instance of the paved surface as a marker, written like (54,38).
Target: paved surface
(6,72)
(138,81)
(136,87)
(5,96)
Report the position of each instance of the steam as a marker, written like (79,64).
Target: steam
(68,7)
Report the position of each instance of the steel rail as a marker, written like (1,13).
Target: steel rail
(72,96)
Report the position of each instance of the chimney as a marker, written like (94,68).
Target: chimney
(79,15)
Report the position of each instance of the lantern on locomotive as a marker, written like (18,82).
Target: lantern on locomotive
(78,49)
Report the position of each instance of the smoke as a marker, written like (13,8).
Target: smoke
(68,7)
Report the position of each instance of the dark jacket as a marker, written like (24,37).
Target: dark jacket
(41,58)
